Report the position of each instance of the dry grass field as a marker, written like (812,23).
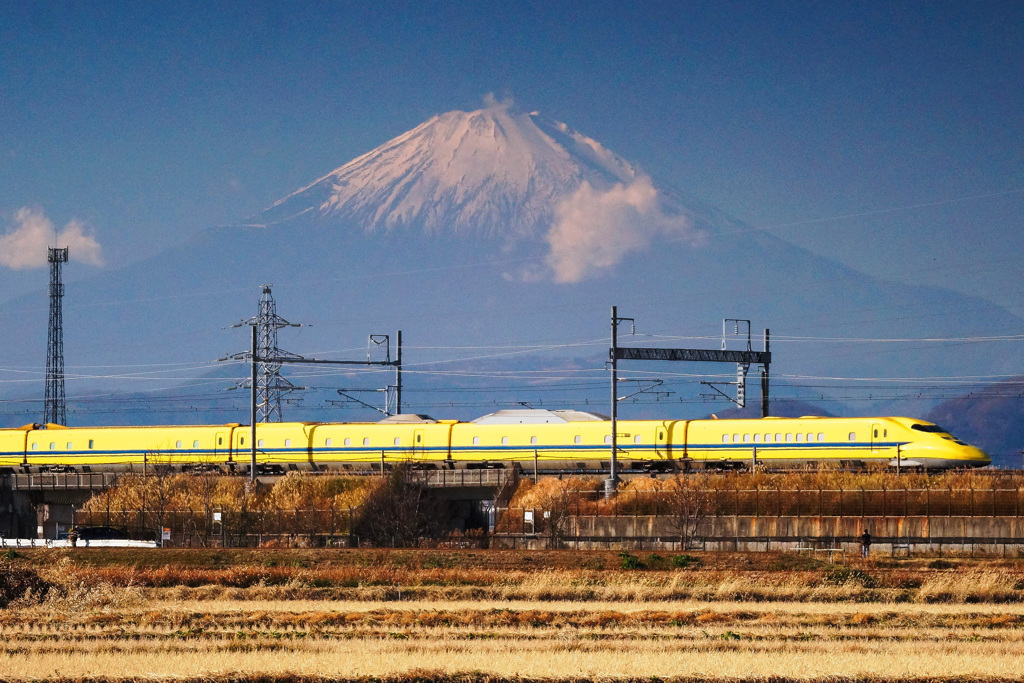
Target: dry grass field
(314,615)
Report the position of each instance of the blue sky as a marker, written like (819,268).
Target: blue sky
(888,135)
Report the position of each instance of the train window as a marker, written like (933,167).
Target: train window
(348,442)
(327,442)
(70,445)
(398,441)
(746,438)
(366,441)
(853,436)
(885,433)
(821,436)
(241,441)
(757,438)
(876,433)
(177,444)
(504,441)
(220,440)
(778,438)
(54,445)
(476,440)
(767,438)
(91,443)
(419,438)
(287,443)
(533,440)
(637,439)
(35,447)
(789,438)
(195,444)
(259,443)
(735,438)
(799,437)
(607,438)
(810,436)
(661,435)
(578,439)
(725,438)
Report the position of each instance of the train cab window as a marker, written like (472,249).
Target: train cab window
(799,437)
(821,436)
(287,443)
(637,439)
(757,438)
(259,443)
(398,441)
(789,438)
(327,442)
(746,438)
(533,440)
(366,441)
(91,443)
(853,436)
(725,438)
(578,439)
(476,440)
(504,441)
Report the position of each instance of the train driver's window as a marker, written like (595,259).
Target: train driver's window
(637,439)
(476,440)
(578,439)
(366,441)
(91,443)
(821,436)
(853,436)
(177,444)
(725,438)
(533,440)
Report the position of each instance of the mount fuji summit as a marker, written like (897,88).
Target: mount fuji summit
(500,228)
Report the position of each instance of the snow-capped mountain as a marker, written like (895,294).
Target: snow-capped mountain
(491,173)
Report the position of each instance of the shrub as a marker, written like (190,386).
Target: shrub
(630,561)
(684,561)
(843,575)
(18,584)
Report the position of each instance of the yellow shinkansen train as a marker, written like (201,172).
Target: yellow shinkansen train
(563,440)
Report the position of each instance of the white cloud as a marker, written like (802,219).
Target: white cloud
(593,229)
(25,246)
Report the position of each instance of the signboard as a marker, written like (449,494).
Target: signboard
(216,516)
(165,534)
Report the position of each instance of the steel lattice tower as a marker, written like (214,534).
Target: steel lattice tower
(270,385)
(54,411)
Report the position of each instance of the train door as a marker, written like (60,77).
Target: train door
(661,447)
(418,447)
(221,447)
(878,436)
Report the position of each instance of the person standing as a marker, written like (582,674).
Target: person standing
(865,544)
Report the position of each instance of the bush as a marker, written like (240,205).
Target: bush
(21,584)
(630,561)
(843,575)
(684,561)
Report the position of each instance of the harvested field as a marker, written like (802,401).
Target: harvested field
(429,615)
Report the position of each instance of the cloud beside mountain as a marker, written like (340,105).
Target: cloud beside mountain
(26,246)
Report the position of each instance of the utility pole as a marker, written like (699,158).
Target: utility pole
(54,409)
(612,482)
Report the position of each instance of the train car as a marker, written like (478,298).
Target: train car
(416,439)
(12,447)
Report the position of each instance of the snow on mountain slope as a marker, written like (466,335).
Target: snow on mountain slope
(501,176)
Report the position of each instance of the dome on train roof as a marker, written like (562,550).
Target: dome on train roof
(538,416)
(405,418)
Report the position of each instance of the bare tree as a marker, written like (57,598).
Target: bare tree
(399,513)
(690,501)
